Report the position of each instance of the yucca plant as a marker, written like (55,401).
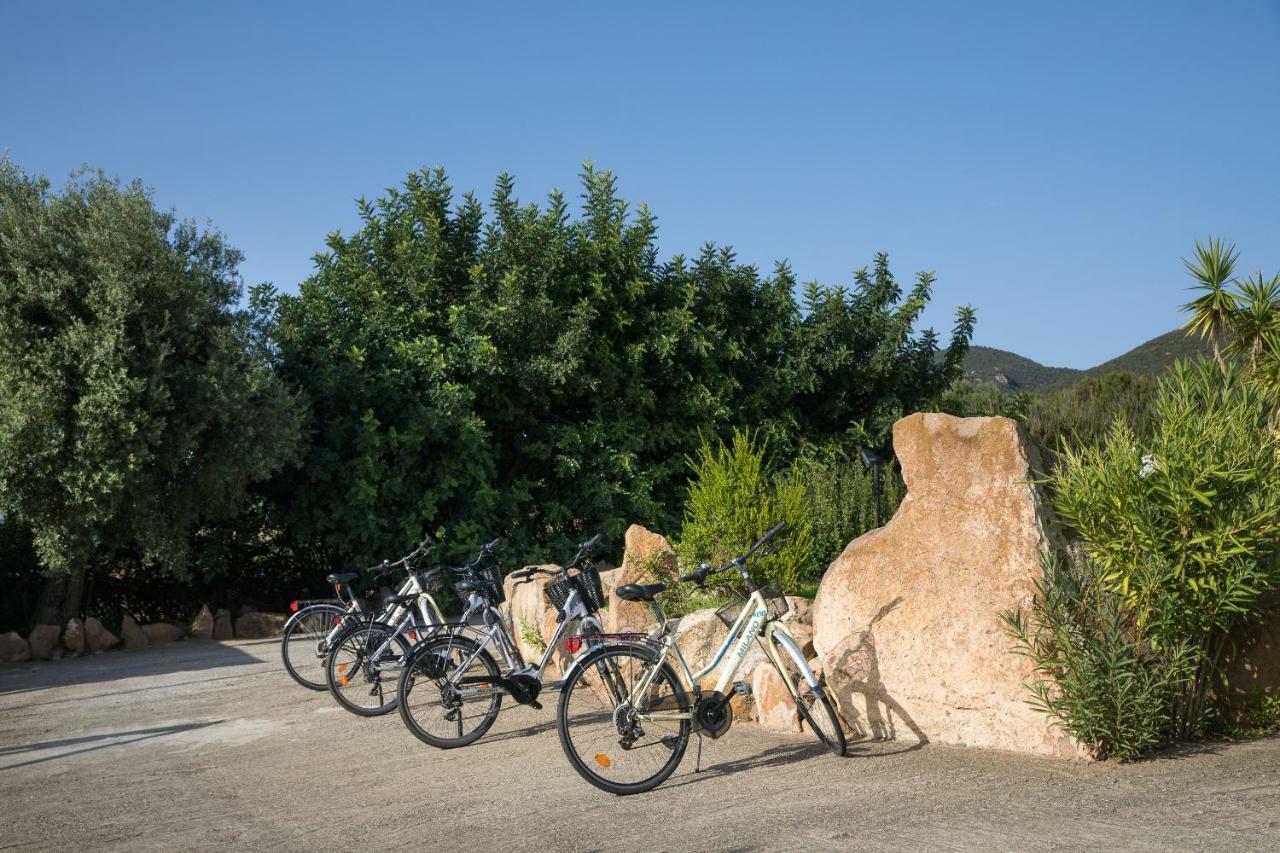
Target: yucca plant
(1212,268)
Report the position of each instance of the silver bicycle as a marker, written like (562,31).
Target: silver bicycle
(625,716)
(309,634)
(365,655)
(451,690)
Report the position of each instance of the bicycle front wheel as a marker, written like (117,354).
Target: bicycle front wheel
(304,645)
(362,666)
(808,694)
(437,704)
(612,743)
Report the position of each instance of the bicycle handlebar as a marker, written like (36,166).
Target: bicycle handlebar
(706,570)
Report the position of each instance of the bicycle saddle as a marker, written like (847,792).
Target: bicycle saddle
(341,577)
(640,591)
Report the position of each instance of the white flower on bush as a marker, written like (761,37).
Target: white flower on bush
(1149,466)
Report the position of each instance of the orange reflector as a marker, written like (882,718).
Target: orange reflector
(342,667)
(602,759)
(343,681)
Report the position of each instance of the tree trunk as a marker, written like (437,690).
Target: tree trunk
(60,598)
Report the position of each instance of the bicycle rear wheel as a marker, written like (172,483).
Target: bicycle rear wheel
(600,732)
(362,666)
(304,645)
(807,692)
(437,708)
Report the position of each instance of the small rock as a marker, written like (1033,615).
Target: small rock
(202,627)
(134,638)
(44,641)
(13,649)
(162,632)
(97,637)
(775,708)
(222,625)
(73,636)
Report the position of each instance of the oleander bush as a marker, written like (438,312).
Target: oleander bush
(1178,538)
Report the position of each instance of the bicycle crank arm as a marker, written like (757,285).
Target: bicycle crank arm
(522,688)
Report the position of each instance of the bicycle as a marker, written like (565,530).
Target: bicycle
(364,651)
(310,632)
(623,706)
(459,685)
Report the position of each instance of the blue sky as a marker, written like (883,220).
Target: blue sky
(1051,162)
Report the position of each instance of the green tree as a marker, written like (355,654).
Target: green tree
(1211,268)
(133,403)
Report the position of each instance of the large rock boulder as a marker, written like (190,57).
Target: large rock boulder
(202,625)
(647,557)
(43,642)
(73,636)
(134,637)
(528,611)
(907,618)
(259,626)
(13,648)
(97,638)
(159,633)
(222,626)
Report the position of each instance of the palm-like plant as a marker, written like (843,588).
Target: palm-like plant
(1211,312)
(1257,314)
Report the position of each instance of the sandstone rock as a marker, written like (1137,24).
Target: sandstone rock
(13,648)
(258,626)
(527,609)
(43,642)
(647,558)
(907,618)
(73,636)
(608,580)
(774,707)
(799,621)
(159,633)
(222,629)
(134,638)
(98,638)
(202,625)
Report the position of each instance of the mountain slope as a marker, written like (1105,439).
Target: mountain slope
(1014,372)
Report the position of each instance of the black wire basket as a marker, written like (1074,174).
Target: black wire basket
(586,582)
(489,576)
(775,606)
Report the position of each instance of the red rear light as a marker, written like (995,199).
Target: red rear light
(337,620)
(573,644)
(293,606)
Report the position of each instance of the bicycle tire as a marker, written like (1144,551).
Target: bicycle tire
(333,677)
(292,638)
(413,673)
(594,663)
(814,705)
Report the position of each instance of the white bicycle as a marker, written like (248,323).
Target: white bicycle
(625,717)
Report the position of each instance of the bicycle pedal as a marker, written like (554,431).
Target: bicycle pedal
(741,688)
(536,705)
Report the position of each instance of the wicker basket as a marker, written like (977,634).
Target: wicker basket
(775,605)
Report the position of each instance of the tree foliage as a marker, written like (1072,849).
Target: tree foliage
(134,402)
(520,370)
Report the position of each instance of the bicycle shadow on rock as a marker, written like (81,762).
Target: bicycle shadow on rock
(182,656)
(853,674)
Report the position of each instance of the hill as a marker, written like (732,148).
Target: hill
(1013,372)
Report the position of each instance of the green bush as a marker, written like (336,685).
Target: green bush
(733,500)
(839,499)
(1179,536)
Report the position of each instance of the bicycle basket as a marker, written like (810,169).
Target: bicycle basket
(489,576)
(775,606)
(586,582)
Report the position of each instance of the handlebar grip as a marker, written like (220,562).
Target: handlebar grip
(777,528)
(493,544)
(591,543)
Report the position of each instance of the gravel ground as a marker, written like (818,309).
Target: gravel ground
(210,745)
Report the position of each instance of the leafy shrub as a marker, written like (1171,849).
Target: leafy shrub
(839,499)
(1096,680)
(1179,537)
(733,500)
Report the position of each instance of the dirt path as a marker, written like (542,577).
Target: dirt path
(206,745)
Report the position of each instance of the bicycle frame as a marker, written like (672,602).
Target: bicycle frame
(574,610)
(750,625)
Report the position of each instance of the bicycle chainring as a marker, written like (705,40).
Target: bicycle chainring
(713,714)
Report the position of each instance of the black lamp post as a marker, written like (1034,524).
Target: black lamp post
(873,462)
